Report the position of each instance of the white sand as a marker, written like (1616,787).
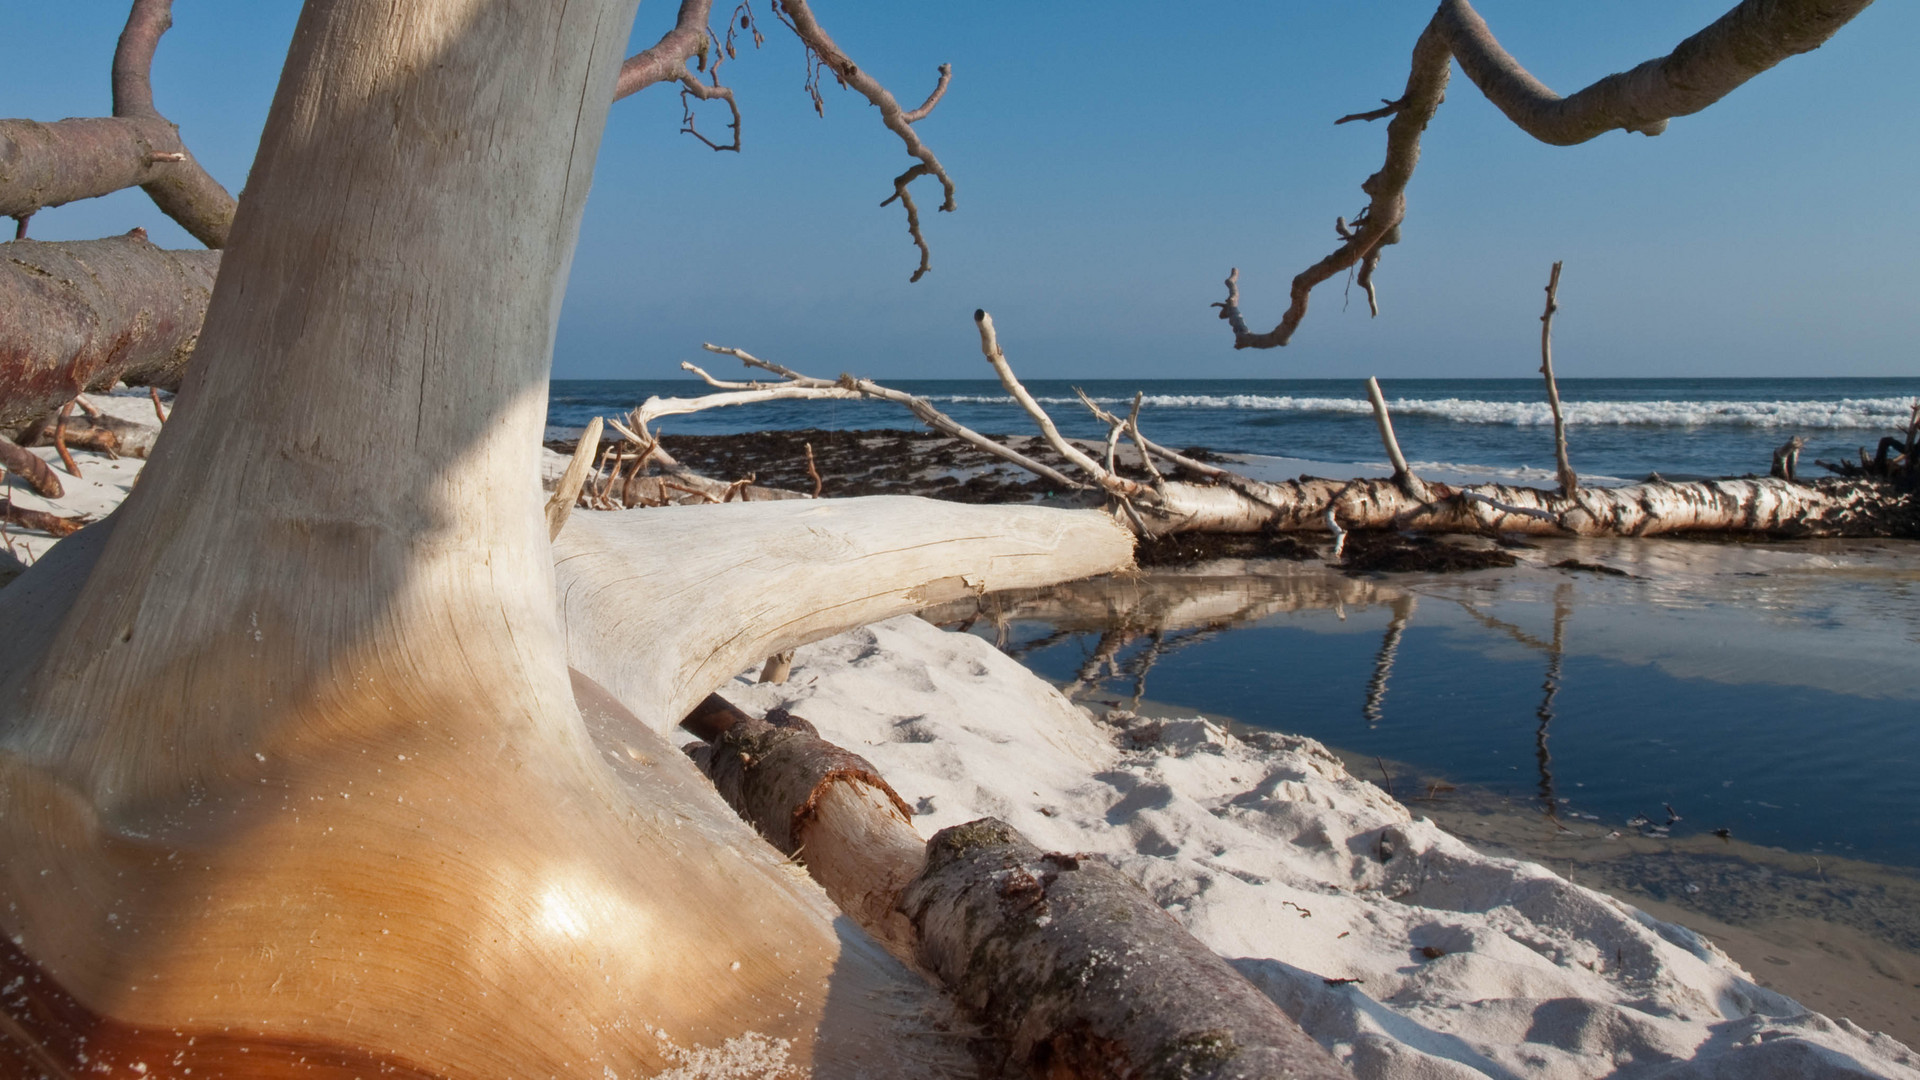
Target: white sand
(1299,873)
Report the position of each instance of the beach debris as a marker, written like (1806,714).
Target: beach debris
(1191,495)
(1590,567)
(1786,459)
(1343,981)
(1432,952)
(996,919)
(29,467)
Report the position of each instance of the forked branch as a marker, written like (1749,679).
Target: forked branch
(1752,37)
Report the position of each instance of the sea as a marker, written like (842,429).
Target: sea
(1616,428)
(1769,693)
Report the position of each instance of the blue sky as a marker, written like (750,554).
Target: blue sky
(1113,161)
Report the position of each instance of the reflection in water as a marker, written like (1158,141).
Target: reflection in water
(1691,676)
(1403,608)
(1562,605)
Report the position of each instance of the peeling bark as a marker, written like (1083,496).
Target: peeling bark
(1084,974)
(83,314)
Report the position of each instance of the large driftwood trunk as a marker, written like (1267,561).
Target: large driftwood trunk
(81,314)
(789,572)
(291,764)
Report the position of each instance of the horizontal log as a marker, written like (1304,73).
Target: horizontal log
(82,314)
(1084,974)
(1759,505)
(687,579)
(46,165)
(819,802)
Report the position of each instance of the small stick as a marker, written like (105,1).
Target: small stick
(41,521)
(1339,534)
(88,407)
(813,472)
(687,490)
(1133,429)
(27,466)
(1402,475)
(153,392)
(60,439)
(20,226)
(777,667)
(1569,483)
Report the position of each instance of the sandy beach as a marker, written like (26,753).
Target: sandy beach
(1416,937)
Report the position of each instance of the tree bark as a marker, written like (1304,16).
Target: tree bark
(48,165)
(289,751)
(1084,973)
(82,314)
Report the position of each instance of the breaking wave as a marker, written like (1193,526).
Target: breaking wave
(1843,414)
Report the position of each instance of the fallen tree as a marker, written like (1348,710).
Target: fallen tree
(1203,497)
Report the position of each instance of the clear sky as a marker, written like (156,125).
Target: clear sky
(1113,161)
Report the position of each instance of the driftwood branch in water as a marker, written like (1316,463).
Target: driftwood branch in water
(1402,472)
(1569,483)
(82,314)
(1752,37)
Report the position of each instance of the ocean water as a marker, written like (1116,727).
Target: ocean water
(1622,428)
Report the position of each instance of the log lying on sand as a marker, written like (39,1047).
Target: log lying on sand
(815,800)
(787,573)
(1068,963)
(1084,973)
(83,314)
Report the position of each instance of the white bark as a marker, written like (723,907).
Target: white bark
(716,588)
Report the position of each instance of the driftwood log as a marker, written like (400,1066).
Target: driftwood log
(1084,973)
(713,589)
(81,315)
(824,804)
(1070,965)
(1203,497)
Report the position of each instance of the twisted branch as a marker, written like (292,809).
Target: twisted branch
(1752,37)
(799,18)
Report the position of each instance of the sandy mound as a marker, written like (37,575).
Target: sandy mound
(1408,953)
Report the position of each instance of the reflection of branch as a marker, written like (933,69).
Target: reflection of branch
(1754,36)
(1550,688)
(1403,609)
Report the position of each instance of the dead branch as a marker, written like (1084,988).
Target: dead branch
(153,392)
(40,520)
(1402,472)
(1752,37)
(813,472)
(1111,482)
(1786,459)
(60,440)
(799,18)
(921,408)
(29,467)
(1569,483)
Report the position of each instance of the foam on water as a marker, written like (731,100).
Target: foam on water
(1844,414)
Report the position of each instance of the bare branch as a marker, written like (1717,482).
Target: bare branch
(799,17)
(939,91)
(1569,483)
(694,87)
(667,60)
(919,406)
(181,189)
(1108,481)
(1752,37)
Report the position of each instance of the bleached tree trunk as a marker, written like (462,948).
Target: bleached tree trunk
(292,772)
